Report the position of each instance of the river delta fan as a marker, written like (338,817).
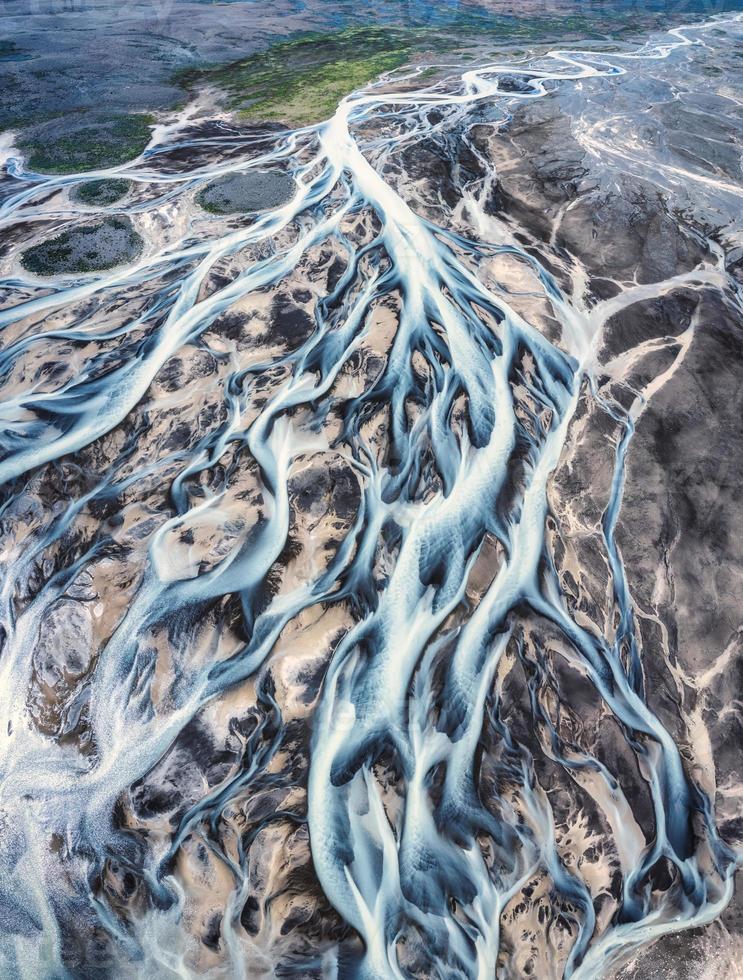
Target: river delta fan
(357,618)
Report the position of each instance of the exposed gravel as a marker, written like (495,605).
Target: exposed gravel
(256,190)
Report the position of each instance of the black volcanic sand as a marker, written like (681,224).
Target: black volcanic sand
(256,190)
(100,192)
(90,248)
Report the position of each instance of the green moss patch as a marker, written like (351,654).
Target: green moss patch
(90,248)
(100,193)
(107,143)
(301,81)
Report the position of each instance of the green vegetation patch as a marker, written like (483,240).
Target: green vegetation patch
(107,143)
(301,81)
(100,193)
(90,248)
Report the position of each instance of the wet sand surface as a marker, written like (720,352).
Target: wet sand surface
(372,581)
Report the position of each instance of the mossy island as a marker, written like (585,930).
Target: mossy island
(100,193)
(256,190)
(88,248)
(62,148)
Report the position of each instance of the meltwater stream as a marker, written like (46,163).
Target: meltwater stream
(173,584)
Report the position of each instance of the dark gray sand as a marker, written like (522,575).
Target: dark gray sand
(100,192)
(253,191)
(86,249)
